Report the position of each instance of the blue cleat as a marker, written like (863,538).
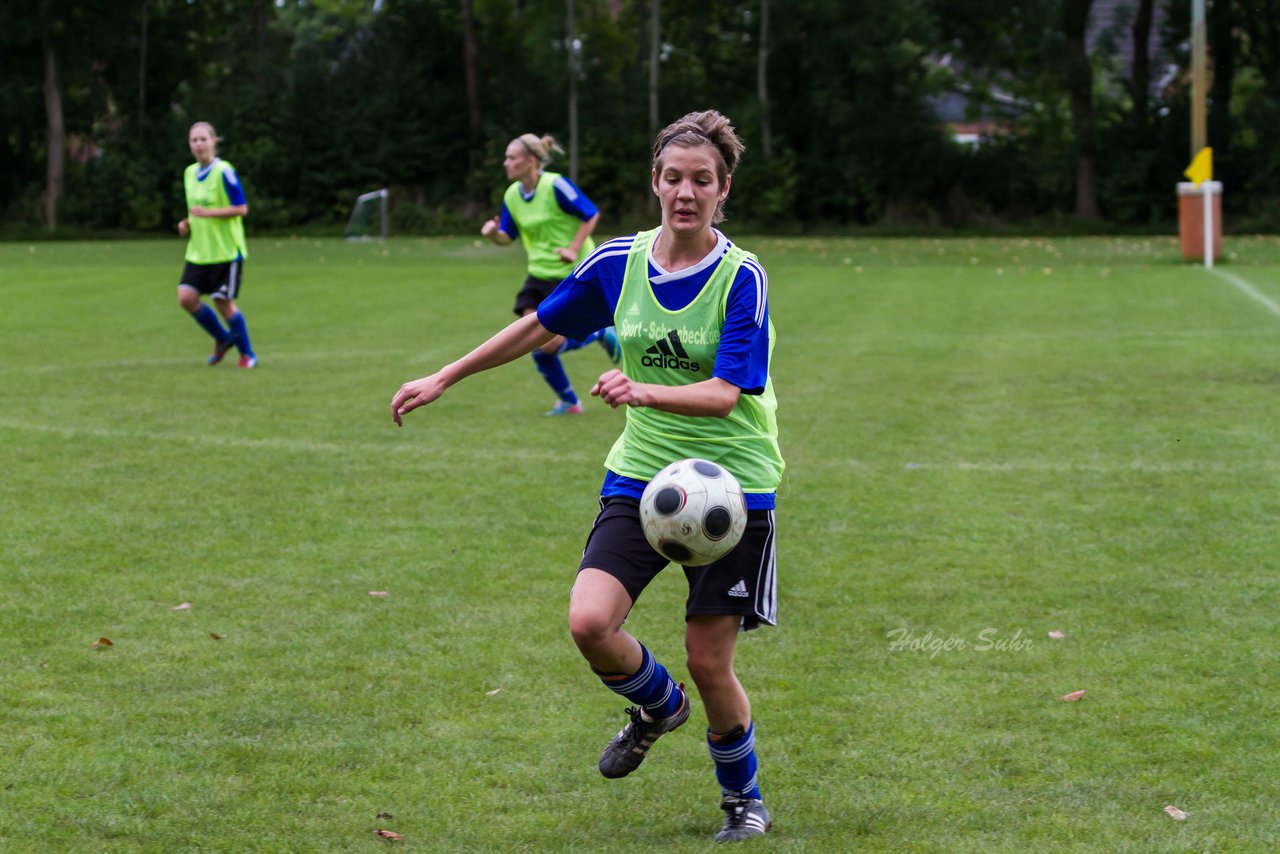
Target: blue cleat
(609,341)
(563,408)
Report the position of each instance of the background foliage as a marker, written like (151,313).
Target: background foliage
(320,100)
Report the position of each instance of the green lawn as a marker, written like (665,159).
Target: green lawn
(987,440)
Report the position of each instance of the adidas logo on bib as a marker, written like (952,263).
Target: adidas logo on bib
(669,353)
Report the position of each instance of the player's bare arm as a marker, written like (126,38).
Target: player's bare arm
(220,213)
(516,340)
(490,230)
(713,398)
(569,254)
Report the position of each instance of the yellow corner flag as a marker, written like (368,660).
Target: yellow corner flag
(1201,168)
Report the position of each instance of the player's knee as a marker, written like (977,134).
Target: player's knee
(709,667)
(590,627)
(188,299)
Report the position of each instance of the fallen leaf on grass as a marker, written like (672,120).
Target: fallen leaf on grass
(385,815)
(378,593)
(494,691)
(389,835)
(1175,813)
(216,636)
(1072,697)
(102,643)
(185,606)
(1056,635)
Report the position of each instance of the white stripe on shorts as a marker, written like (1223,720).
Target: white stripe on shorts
(767,581)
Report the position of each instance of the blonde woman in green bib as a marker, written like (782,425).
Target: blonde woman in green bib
(216,248)
(554,220)
(692,316)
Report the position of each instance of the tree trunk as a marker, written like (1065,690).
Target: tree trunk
(655,48)
(259,17)
(1141,76)
(655,59)
(573,93)
(1079,83)
(471,72)
(142,70)
(1223,36)
(762,80)
(55,129)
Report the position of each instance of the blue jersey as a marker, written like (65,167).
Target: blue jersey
(570,199)
(586,300)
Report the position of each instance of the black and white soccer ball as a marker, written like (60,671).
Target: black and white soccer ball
(693,512)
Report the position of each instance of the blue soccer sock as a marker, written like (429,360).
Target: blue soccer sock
(735,756)
(571,344)
(553,372)
(650,687)
(240,334)
(208,320)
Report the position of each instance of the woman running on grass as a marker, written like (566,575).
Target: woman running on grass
(216,247)
(554,221)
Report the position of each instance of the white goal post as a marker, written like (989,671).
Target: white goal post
(368,217)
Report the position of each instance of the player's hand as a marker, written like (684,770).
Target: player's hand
(199,210)
(490,226)
(567,255)
(617,389)
(184,228)
(414,394)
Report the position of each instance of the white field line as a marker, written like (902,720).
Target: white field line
(189,361)
(433,455)
(407,447)
(1248,290)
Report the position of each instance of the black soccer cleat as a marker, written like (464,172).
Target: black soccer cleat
(629,747)
(743,819)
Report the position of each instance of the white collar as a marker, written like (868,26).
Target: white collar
(708,260)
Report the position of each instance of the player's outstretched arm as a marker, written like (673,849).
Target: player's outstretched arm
(519,339)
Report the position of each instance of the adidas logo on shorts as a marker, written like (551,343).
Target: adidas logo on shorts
(739,590)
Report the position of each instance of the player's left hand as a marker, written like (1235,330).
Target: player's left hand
(414,394)
(199,210)
(567,255)
(617,389)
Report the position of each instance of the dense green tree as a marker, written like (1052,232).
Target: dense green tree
(320,100)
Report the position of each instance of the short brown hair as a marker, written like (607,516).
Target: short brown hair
(707,127)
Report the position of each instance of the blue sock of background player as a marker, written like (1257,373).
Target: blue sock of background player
(552,371)
(208,320)
(240,334)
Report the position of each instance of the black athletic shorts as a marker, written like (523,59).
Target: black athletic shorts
(535,290)
(743,582)
(220,281)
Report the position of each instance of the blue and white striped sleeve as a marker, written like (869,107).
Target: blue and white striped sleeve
(231,183)
(742,357)
(572,200)
(585,301)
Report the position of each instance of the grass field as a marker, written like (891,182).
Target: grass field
(987,440)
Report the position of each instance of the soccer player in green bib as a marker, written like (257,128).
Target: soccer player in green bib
(216,248)
(692,315)
(554,221)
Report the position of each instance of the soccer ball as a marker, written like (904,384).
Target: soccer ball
(693,512)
